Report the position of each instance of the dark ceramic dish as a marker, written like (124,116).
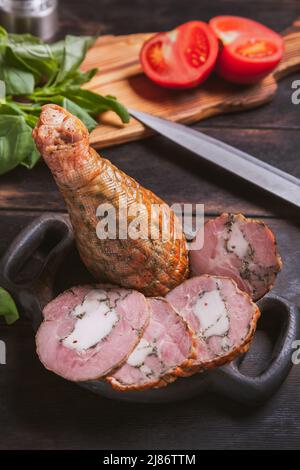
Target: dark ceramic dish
(41,259)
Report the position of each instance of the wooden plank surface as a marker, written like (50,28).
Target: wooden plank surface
(174,174)
(40,410)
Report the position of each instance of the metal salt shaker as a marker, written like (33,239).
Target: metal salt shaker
(38,17)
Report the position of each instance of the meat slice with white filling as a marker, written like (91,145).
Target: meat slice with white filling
(223,317)
(166,347)
(89,331)
(240,248)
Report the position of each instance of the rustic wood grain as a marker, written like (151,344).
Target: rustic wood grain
(280,114)
(174,174)
(42,411)
(120,74)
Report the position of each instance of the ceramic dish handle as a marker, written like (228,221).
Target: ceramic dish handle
(29,266)
(252,390)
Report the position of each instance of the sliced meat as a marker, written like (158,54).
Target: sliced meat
(223,317)
(240,248)
(79,338)
(166,346)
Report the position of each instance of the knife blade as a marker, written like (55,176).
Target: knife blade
(242,164)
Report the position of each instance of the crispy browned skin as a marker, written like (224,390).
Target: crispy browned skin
(87,180)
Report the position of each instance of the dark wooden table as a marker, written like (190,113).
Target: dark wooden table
(39,410)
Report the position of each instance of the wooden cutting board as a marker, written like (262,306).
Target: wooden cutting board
(120,74)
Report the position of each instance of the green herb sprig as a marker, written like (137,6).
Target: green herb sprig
(33,73)
(8,307)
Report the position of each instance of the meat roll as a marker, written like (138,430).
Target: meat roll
(152,263)
(167,346)
(240,248)
(223,317)
(79,338)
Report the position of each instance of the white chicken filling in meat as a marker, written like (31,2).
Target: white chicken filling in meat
(236,243)
(95,320)
(138,356)
(210,309)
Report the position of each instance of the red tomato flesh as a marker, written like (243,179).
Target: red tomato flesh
(181,58)
(229,28)
(256,48)
(250,50)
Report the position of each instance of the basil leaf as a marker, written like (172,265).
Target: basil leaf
(8,307)
(17,82)
(3,42)
(16,143)
(57,50)
(3,33)
(85,98)
(31,159)
(32,56)
(2,91)
(82,77)
(26,61)
(90,102)
(10,108)
(75,48)
(73,108)
(33,108)
(72,83)
(31,120)
(111,103)
(75,81)
(96,104)
(24,38)
(28,53)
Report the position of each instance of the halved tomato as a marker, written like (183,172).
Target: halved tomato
(230,28)
(181,58)
(250,50)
